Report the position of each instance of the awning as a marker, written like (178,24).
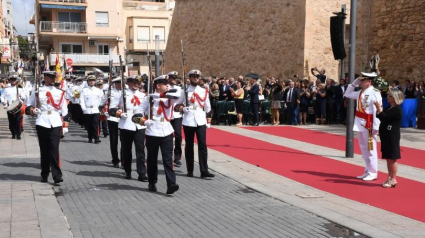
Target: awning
(63,7)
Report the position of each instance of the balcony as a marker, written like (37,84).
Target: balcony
(85,59)
(148,6)
(65,1)
(63,27)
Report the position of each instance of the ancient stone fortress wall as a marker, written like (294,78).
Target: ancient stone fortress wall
(398,33)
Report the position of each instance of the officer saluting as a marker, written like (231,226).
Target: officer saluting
(177,119)
(129,131)
(195,122)
(365,122)
(159,133)
(13,94)
(48,106)
(90,100)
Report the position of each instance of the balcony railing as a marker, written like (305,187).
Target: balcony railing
(85,58)
(149,6)
(63,27)
(65,1)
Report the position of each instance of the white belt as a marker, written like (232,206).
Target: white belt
(196,108)
(49,112)
(90,107)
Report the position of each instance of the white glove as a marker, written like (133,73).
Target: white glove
(356,82)
(208,125)
(36,111)
(148,123)
(106,114)
(124,115)
(64,130)
(186,109)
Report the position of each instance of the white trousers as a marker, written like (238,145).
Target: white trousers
(370,157)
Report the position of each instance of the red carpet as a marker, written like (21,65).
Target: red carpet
(325,174)
(409,156)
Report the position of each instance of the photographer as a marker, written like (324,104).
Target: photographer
(321,74)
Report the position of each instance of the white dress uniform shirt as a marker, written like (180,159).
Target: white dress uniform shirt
(71,91)
(196,115)
(10,94)
(90,100)
(132,107)
(180,92)
(67,86)
(368,96)
(28,88)
(105,87)
(115,100)
(50,116)
(161,126)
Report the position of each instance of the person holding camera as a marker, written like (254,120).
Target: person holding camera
(320,74)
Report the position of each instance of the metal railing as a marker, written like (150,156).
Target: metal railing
(149,6)
(63,27)
(84,58)
(65,1)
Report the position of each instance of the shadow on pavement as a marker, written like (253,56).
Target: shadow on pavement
(89,163)
(338,178)
(21,177)
(106,174)
(115,186)
(23,165)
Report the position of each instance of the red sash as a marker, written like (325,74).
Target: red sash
(360,113)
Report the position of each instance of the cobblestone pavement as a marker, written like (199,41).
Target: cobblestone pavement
(98,202)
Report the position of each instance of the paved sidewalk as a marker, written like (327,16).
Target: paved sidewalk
(97,201)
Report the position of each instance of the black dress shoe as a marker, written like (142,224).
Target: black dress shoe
(97,141)
(18,137)
(43,180)
(127,176)
(106,135)
(142,178)
(207,175)
(152,187)
(13,137)
(116,165)
(58,180)
(189,174)
(90,141)
(172,188)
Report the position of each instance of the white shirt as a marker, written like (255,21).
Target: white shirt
(178,101)
(50,116)
(161,115)
(90,100)
(115,100)
(196,115)
(133,107)
(368,96)
(10,94)
(71,91)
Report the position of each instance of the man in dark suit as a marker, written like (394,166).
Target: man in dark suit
(232,84)
(224,90)
(253,91)
(339,91)
(292,99)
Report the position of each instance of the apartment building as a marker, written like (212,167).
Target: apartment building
(9,48)
(91,32)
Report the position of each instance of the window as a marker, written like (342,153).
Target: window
(72,48)
(69,16)
(102,19)
(143,34)
(103,49)
(130,30)
(160,31)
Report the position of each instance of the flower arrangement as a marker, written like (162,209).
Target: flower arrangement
(380,83)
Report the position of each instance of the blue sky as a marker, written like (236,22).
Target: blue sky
(22,12)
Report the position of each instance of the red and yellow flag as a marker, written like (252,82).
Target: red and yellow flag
(58,70)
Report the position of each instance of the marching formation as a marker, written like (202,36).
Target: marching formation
(147,112)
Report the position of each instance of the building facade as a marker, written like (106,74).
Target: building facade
(9,48)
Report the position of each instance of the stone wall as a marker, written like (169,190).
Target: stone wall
(223,37)
(398,28)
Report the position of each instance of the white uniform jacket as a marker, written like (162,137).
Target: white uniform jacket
(50,111)
(90,100)
(133,101)
(71,91)
(179,92)
(365,99)
(115,100)
(162,113)
(199,104)
(10,94)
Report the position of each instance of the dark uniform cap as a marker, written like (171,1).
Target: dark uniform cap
(117,79)
(195,72)
(133,79)
(13,77)
(161,79)
(91,78)
(50,73)
(99,82)
(173,74)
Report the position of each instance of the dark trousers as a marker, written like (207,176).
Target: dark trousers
(48,140)
(201,136)
(113,141)
(254,108)
(79,115)
(292,111)
(92,122)
(177,126)
(153,144)
(104,125)
(127,139)
(15,123)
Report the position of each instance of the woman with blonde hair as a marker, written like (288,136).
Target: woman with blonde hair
(389,132)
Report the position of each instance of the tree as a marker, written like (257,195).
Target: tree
(25,51)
